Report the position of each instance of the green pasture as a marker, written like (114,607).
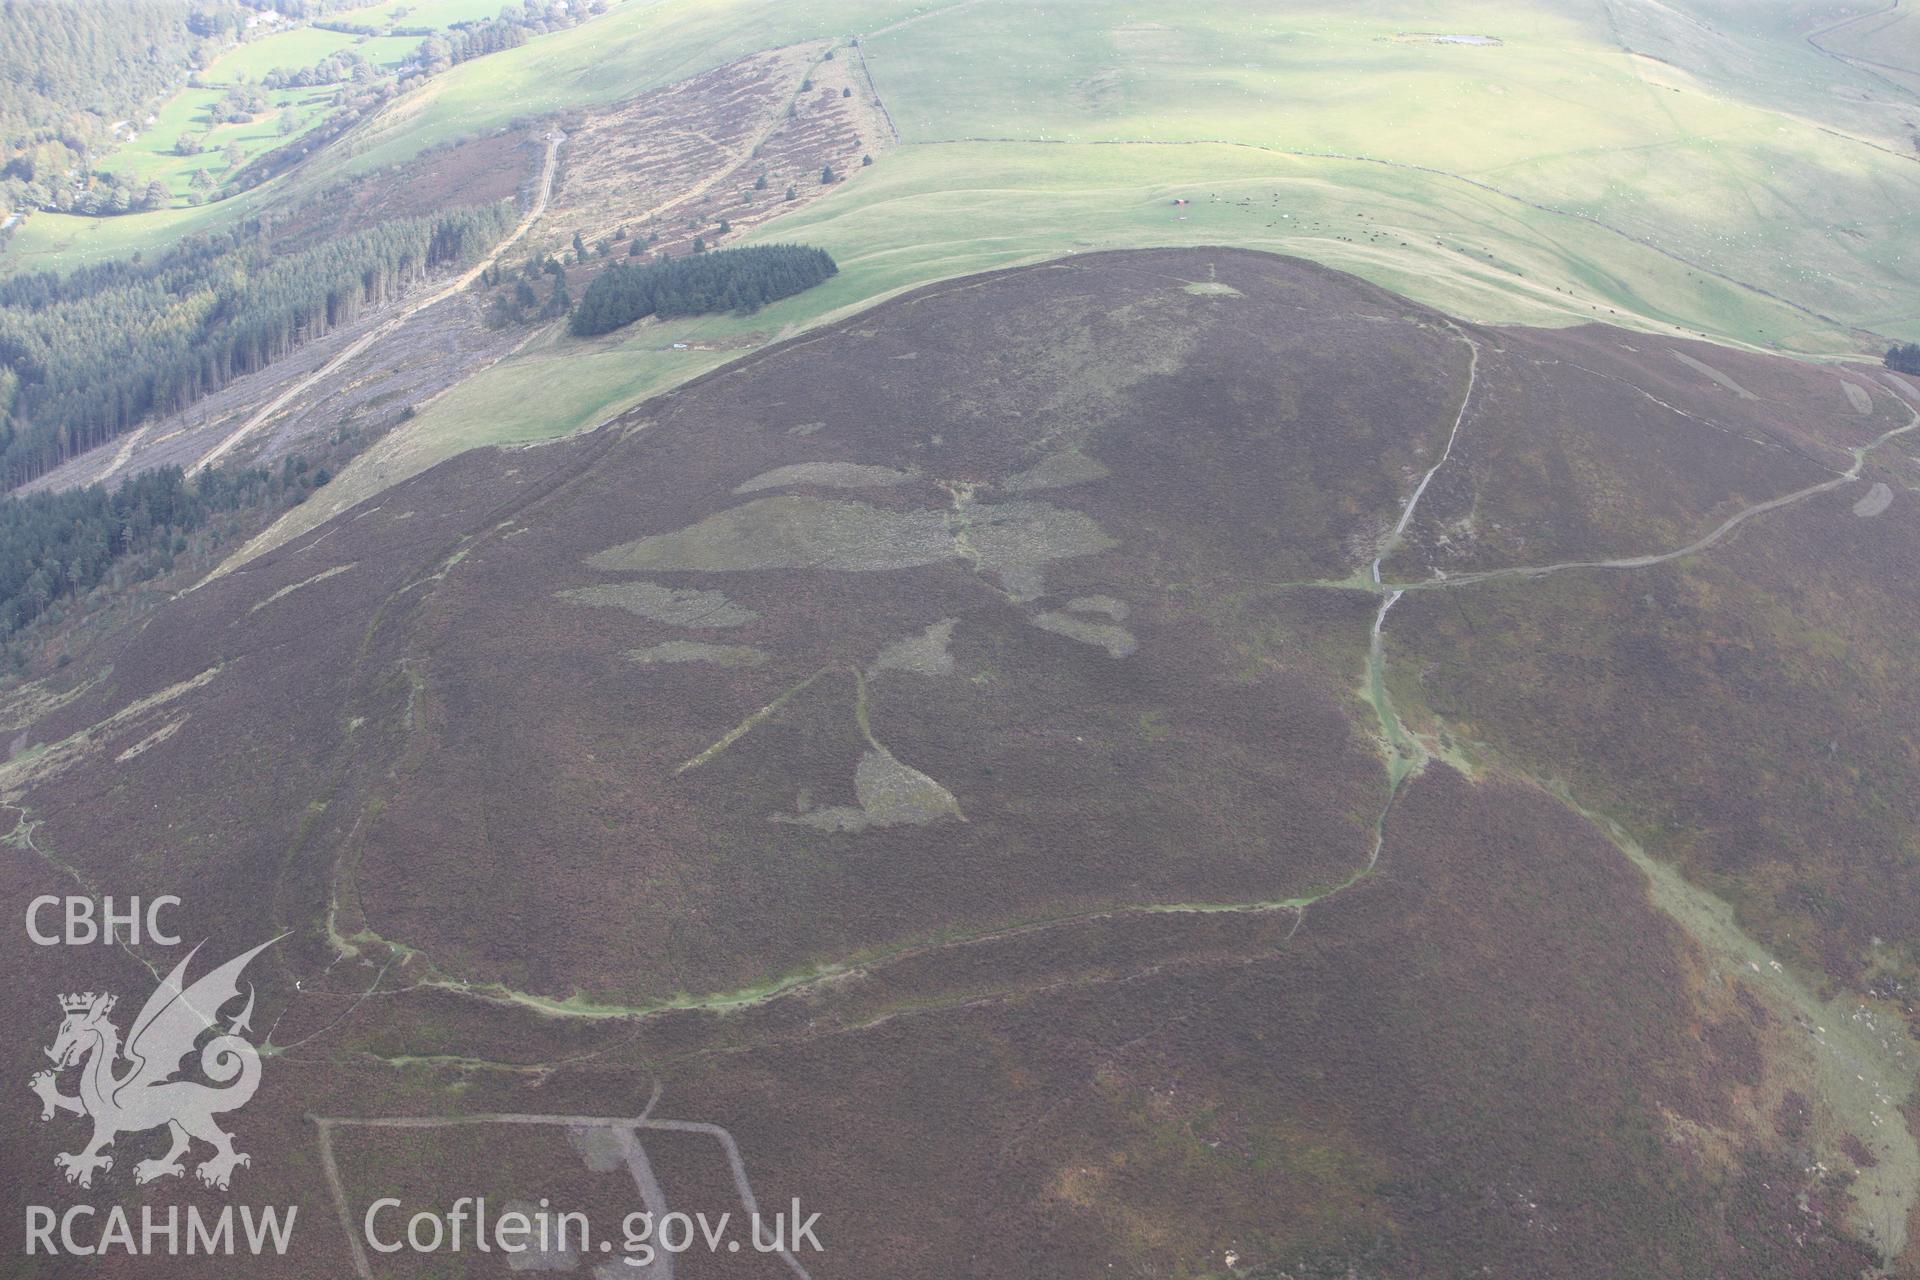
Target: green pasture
(50,241)
(151,155)
(915,219)
(1756,202)
(1755,185)
(297,47)
(419,13)
(1551,178)
(303,47)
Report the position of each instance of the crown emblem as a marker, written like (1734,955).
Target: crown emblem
(143,1094)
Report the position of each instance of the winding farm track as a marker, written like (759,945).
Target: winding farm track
(1453,436)
(1727,526)
(360,344)
(21,837)
(1405,755)
(1868,65)
(1404,758)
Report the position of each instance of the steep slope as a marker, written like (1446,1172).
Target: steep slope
(1045,766)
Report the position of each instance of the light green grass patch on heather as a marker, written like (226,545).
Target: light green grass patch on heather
(929,213)
(924,653)
(676,606)
(717,655)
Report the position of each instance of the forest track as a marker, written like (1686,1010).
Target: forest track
(267,412)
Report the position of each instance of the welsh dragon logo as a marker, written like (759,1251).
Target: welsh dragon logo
(146,1094)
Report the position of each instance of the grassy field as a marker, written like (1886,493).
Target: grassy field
(1745,189)
(1728,175)
(1864,49)
(299,47)
(1553,115)
(910,221)
(304,46)
(50,241)
(419,13)
(152,154)
(62,240)
(1548,179)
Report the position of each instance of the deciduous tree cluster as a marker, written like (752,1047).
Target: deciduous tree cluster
(70,72)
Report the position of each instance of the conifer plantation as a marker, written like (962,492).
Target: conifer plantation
(88,355)
(726,280)
(56,546)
